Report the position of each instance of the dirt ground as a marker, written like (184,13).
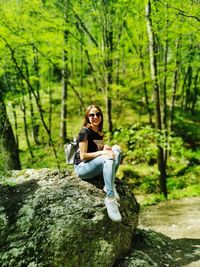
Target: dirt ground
(180,221)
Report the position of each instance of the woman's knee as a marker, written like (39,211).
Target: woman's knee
(116,148)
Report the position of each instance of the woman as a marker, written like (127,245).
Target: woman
(94,158)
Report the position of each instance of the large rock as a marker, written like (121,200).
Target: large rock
(51,218)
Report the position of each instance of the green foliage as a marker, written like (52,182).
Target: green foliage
(149,185)
(189,191)
(139,142)
(176,183)
(33,36)
(128,174)
(153,199)
(188,128)
(185,184)
(139,147)
(183,163)
(139,177)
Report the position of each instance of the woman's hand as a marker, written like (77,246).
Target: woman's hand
(108,153)
(84,155)
(106,147)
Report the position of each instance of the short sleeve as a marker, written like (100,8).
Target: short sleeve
(83,135)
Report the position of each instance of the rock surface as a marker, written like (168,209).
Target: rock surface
(153,249)
(51,218)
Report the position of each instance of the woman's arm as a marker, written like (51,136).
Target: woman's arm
(84,155)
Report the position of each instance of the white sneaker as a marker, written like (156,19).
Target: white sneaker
(112,209)
(114,191)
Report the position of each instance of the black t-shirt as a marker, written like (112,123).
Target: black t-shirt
(92,137)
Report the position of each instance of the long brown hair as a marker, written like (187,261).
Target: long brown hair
(86,122)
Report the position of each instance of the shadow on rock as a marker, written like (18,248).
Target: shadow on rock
(186,250)
(157,250)
(12,197)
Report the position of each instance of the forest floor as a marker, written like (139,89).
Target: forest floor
(179,222)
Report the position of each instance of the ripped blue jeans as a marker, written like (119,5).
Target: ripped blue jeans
(101,166)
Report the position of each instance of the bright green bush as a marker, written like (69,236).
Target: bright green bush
(127,172)
(138,143)
(149,185)
(176,183)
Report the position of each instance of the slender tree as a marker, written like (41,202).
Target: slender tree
(154,78)
(24,111)
(174,84)
(196,92)
(65,78)
(8,145)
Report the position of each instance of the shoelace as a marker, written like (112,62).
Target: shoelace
(114,190)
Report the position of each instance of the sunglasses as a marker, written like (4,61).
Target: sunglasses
(98,114)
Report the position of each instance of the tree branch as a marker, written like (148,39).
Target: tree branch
(76,93)
(80,22)
(23,76)
(181,12)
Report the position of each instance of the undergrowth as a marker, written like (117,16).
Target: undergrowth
(138,142)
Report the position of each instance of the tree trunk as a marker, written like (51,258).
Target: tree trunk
(174,86)
(63,117)
(97,87)
(164,91)
(195,93)
(184,88)
(35,126)
(108,97)
(8,145)
(108,46)
(188,89)
(23,108)
(154,78)
(16,124)
(50,111)
(145,87)
(81,59)
(36,72)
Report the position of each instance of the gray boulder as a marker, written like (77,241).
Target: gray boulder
(52,218)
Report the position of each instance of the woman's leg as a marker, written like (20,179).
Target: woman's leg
(107,166)
(100,165)
(118,156)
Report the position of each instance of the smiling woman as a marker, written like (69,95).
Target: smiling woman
(94,158)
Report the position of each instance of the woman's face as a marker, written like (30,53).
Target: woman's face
(94,116)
